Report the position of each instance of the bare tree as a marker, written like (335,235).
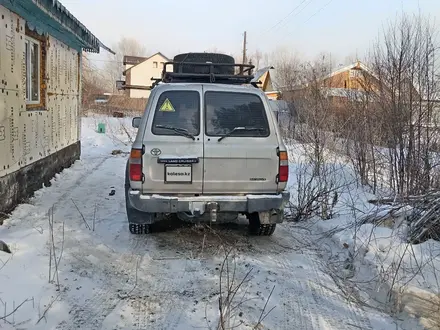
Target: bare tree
(115,67)
(93,81)
(404,60)
(257,57)
(288,69)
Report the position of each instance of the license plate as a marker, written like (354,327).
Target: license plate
(178,173)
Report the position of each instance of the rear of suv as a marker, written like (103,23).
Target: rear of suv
(208,148)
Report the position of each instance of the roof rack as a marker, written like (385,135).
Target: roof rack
(245,75)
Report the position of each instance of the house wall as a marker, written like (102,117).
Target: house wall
(142,73)
(340,80)
(266,84)
(29,138)
(344,80)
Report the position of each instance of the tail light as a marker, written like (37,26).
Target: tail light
(135,165)
(283,168)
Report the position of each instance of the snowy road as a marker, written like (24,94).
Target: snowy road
(110,279)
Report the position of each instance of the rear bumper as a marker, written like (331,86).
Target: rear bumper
(202,204)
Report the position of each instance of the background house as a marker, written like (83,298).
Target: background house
(138,71)
(264,79)
(40,86)
(348,82)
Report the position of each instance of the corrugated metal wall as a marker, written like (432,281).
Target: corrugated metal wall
(27,136)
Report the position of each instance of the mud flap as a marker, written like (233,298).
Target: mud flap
(270,217)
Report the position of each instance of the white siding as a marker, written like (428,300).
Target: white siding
(142,73)
(27,136)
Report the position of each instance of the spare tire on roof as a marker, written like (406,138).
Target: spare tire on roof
(203,58)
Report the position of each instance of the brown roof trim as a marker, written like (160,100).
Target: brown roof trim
(133,59)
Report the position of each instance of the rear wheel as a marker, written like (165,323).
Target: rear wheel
(258,229)
(138,229)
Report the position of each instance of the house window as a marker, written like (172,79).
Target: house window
(35,70)
(355,73)
(33,65)
(155,65)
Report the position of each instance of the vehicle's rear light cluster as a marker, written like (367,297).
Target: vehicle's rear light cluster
(135,165)
(283,169)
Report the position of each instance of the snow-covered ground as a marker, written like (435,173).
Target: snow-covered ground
(110,279)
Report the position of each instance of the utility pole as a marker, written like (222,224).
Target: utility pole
(244,48)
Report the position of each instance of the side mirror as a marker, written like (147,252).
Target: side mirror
(136,122)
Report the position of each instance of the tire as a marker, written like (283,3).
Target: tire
(203,58)
(258,229)
(138,222)
(138,229)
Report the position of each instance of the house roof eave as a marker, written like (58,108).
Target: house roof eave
(146,59)
(51,17)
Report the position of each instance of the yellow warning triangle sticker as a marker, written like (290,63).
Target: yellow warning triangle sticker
(167,106)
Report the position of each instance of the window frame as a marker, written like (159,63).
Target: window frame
(41,40)
(169,132)
(155,65)
(31,42)
(269,131)
(355,73)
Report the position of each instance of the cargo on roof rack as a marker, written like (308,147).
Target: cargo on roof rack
(200,68)
(209,73)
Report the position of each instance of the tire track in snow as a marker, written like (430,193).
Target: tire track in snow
(104,296)
(113,271)
(354,317)
(143,307)
(311,301)
(157,297)
(104,300)
(164,306)
(77,182)
(299,310)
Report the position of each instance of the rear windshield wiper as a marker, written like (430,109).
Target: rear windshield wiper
(237,129)
(178,130)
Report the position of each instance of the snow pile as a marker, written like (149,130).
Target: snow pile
(395,274)
(374,258)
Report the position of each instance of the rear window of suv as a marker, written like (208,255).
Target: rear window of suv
(225,111)
(179,110)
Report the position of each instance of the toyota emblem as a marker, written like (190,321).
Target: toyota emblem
(155,152)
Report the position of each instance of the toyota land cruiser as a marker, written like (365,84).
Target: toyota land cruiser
(208,148)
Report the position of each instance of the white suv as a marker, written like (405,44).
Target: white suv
(207,152)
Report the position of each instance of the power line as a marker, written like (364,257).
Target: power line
(317,12)
(287,16)
(313,15)
(296,14)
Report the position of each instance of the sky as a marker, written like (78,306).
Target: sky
(308,27)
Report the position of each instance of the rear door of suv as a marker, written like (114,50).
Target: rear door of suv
(173,140)
(240,149)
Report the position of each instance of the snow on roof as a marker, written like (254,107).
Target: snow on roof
(259,73)
(343,92)
(146,59)
(357,64)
